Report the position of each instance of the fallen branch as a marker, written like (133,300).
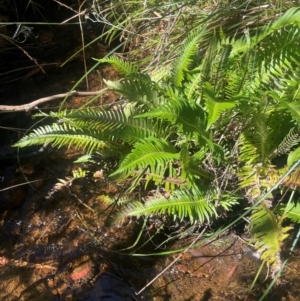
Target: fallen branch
(34,104)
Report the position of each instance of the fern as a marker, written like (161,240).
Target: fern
(169,130)
(149,152)
(214,107)
(189,49)
(192,205)
(60,135)
(137,87)
(208,60)
(188,118)
(122,66)
(290,140)
(291,211)
(267,235)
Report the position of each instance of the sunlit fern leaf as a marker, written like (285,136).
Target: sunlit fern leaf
(189,48)
(85,159)
(79,173)
(267,235)
(290,17)
(291,211)
(215,107)
(182,204)
(154,153)
(60,135)
(137,87)
(192,84)
(286,43)
(121,65)
(293,108)
(293,156)
(97,119)
(117,122)
(188,118)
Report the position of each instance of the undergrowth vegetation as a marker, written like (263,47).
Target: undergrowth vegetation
(210,119)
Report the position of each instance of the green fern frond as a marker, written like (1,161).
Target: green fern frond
(120,123)
(151,153)
(291,211)
(282,47)
(293,156)
(192,205)
(292,107)
(220,66)
(121,65)
(191,170)
(137,87)
(188,118)
(267,235)
(60,135)
(188,49)
(255,140)
(214,107)
(192,84)
(243,76)
(99,119)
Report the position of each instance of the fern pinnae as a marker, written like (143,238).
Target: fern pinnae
(60,135)
(189,48)
(183,204)
(214,107)
(208,60)
(267,235)
(98,119)
(291,211)
(121,65)
(137,87)
(152,152)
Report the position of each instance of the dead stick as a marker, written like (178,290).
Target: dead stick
(33,105)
